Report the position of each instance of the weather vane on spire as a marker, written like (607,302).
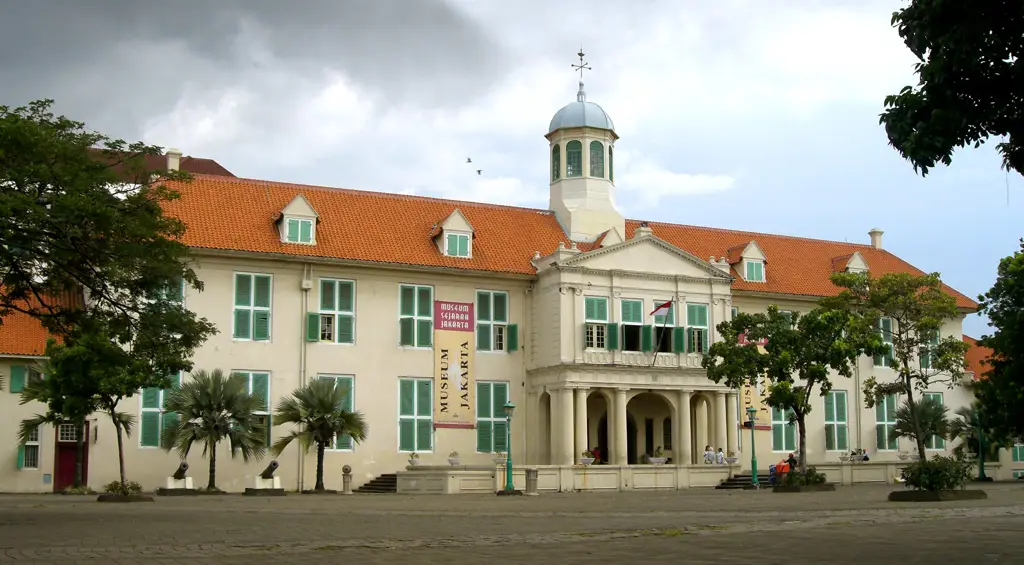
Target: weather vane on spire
(583,66)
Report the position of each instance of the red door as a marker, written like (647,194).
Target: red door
(64,457)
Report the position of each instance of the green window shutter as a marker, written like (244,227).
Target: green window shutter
(149,435)
(500,436)
(424,435)
(175,380)
(830,407)
(513,337)
(880,410)
(463,246)
(424,333)
(407,435)
(500,312)
(790,437)
(612,336)
(346,329)
(689,340)
(483,400)
(841,406)
(483,306)
(632,311)
(841,437)
(261,388)
(407,301)
(424,400)
(293,230)
(890,408)
(452,247)
(21,456)
(243,324)
(647,339)
(406,398)
(18,377)
(778,438)
(881,441)
(424,302)
(406,332)
(602,309)
(590,308)
(484,437)
(344,441)
(346,296)
(306,232)
(151,397)
(830,442)
(260,325)
(243,290)
(483,337)
(261,296)
(499,398)
(168,420)
(312,326)
(706,341)
(678,340)
(327,294)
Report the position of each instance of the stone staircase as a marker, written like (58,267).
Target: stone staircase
(384,484)
(737,482)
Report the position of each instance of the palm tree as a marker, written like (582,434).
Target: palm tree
(318,410)
(965,428)
(210,408)
(931,417)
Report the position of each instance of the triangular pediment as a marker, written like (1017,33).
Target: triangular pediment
(299,207)
(456,221)
(649,255)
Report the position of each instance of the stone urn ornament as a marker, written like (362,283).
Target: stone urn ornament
(453,459)
(587,458)
(414,459)
(658,458)
(499,458)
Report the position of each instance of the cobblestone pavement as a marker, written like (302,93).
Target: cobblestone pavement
(852,525)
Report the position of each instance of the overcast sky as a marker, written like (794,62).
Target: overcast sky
(745,114)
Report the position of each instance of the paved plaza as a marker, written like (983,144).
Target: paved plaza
(852,525)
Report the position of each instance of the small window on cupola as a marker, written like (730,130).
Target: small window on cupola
(297,222)
(455,236)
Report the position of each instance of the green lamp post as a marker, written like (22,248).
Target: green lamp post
(981,447)
(752,416)
(509,408)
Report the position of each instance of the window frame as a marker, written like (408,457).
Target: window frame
(747,264)
(36,446)
(556,162)
(337,378)
(248,373)
(459,237)
(927,351)
(623,323)
(886,359)
(337,313)
(252,308)
(299,223)
(663,326)
(161,400)
(416,418)
(493,418)
(692,329)
(932,441)
(600,160)
(568,164)
(416,316)
(595,330)
(784,422)
(497,327)
(832,426)
(888,422)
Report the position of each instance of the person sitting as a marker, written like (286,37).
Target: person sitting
(709,455)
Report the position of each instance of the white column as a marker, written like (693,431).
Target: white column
(701,419)
(619,454)
(720,421)
(565,425)
(582,435)
(553,420)
(732,421)
(683,433)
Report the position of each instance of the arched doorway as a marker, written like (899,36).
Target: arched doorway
(646,414)
(631,435)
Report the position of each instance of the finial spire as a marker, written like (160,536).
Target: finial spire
(582,66)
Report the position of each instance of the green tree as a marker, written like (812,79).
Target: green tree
(969,86)
(801,353)
(931,419)
(317,409)
(968,427)
(76,219)
(211,408)
(908,312)
(1000,390)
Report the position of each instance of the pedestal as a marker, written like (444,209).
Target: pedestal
(178,487)
(265,487)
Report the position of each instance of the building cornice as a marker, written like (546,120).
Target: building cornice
(713,272)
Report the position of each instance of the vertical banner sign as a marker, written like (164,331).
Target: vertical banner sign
(454,376)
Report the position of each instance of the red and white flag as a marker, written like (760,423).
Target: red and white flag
(660,307)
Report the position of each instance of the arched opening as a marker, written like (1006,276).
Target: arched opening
(543,453)
(645,425)
(597,426)
(573,159)
(597,159)
(556,162)
(611,164)
(702,424)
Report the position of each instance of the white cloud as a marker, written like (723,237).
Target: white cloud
(643,185)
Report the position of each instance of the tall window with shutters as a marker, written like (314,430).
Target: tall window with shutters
(632,317)
(595,317)
(697,334)
(416,316)
(415,415)
(836,431)
(259,385)
(491,433)
(885,329)
(492,326)
(783,430)
(152,418)
(347,383)
(252,307)
(935,442)
(336,320)
(885,421)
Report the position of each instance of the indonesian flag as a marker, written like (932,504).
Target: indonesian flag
(660,307)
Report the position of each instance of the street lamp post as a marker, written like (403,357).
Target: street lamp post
(509,408)
(981,447)
(752,416)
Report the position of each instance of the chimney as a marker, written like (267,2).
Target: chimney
(876,238)
(173,159)
(642,230)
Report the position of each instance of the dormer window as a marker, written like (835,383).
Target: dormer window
(754,271)
(456,244)
(299,230)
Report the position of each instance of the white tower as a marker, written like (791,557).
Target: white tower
(582,158)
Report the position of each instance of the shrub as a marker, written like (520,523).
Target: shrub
(79,490)
(796,478)
(114,487)
(938,473)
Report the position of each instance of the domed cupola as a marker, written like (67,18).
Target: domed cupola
(582,165)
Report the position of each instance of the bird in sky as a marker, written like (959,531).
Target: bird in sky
(468,160)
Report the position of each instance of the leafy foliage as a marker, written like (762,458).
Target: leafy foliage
(123,489)
(931,420)
(966,426)
(938,473)
(76,218)
(1001,390)
(917,305)
(809,477)
(969,85)
(210,409)
(317,409)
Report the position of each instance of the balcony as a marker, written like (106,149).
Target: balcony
(640,359)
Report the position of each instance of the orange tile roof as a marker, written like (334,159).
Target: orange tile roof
(975,357)
(21,334)
(229,213)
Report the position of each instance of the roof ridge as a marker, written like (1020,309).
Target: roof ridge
(393,195)
(754,233)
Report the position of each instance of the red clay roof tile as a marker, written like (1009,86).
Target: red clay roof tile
(975,357)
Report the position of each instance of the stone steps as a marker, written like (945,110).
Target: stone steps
(737,482)
(384,484)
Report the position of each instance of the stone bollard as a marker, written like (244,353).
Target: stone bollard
(346,480)
(531,482)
